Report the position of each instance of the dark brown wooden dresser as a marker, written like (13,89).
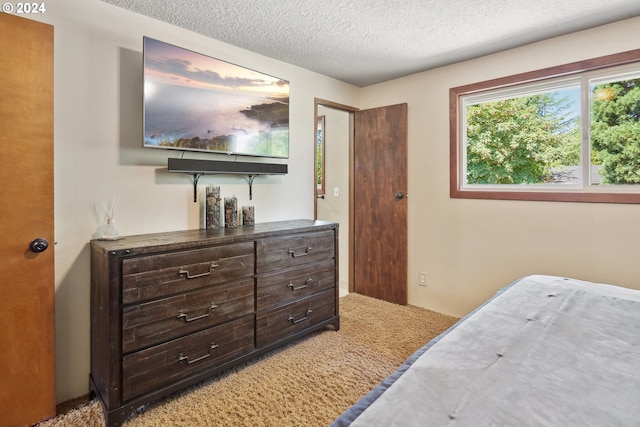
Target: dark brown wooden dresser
(171,309)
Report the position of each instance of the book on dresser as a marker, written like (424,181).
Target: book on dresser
(169,310)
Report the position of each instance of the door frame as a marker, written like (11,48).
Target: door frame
(350,110)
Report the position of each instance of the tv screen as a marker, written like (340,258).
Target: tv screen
(198,103)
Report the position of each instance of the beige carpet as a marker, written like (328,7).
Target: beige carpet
(307,383)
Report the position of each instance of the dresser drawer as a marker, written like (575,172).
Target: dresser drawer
(161,320)
(284,252)
(281,322)
(155,276)
(286,286)
(154,367)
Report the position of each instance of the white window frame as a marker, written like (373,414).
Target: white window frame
(608,68)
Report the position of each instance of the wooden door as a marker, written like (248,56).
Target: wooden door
(380,204)
(27,347)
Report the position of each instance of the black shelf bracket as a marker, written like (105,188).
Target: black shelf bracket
(197,168)
(196,178)
(250,178)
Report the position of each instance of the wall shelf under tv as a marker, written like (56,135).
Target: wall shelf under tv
(199,167)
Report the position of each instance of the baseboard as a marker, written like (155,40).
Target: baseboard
(68,405)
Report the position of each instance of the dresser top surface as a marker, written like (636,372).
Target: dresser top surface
(201,237)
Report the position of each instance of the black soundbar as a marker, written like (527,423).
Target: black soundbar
(199,166)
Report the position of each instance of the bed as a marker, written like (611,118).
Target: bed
(544,351)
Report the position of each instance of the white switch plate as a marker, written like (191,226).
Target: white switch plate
(336,192)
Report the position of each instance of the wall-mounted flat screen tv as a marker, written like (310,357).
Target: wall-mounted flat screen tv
(195,102)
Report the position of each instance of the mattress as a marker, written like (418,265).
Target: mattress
(544,351)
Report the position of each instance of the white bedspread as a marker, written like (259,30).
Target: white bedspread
(548,351)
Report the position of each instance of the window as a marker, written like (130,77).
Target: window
(567,133)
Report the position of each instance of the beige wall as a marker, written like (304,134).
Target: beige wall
(98,153)
(471,248)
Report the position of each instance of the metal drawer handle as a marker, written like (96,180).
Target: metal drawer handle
(183,358)
(302,319)
(189,276)
(185,316)
(306,284)
(294,254)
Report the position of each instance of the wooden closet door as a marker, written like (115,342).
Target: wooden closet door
(27,346)
(380,204)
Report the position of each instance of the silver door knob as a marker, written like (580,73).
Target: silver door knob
(400,195)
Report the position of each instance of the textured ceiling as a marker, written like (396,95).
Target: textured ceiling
(364,42)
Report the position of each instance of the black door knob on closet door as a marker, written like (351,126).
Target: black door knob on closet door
(39,245)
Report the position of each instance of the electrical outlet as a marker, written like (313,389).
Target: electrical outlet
(422,279)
